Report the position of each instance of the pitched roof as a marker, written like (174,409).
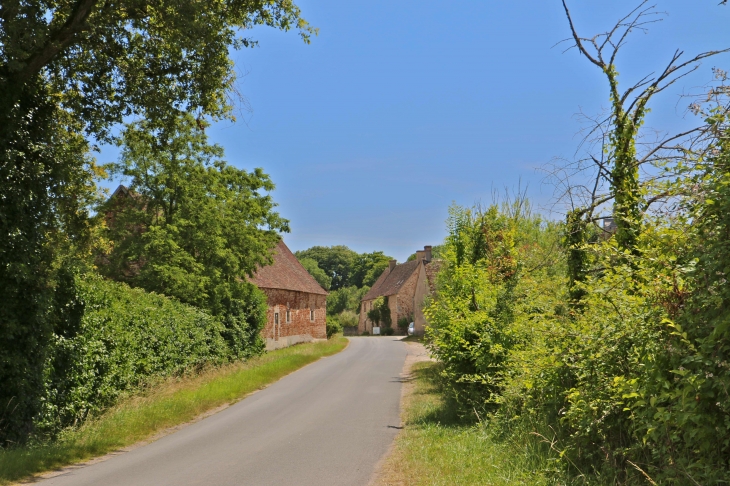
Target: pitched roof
(286,273)
(390,282)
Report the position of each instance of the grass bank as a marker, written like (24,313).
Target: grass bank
(437,448)
(165,405)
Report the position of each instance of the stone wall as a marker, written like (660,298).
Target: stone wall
(299,327)
(422,290)
(404,305)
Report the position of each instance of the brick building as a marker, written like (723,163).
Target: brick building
(297,303)
(406,286)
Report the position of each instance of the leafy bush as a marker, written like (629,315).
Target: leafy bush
(404,322)
(345,299)
(626,371)
(333,326)
(116,339)
(387,331)
(348,319)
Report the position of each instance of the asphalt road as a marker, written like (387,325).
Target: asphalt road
(326,424)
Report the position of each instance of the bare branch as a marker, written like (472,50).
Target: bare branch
(578,40)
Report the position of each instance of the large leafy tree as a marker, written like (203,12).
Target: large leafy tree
(336,261)
(367,267)
(69,67)
(346,267)
(191,226)
(319,275)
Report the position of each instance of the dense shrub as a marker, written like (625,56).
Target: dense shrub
(115,339)
(348,319)
(630,381)
(333,326)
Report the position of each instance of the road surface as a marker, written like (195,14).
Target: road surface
(326,424)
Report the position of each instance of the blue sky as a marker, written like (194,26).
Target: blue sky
(399,108)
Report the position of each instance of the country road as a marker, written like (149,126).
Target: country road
(326,424)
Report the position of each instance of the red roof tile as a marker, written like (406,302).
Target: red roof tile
(286,273)
(389,283)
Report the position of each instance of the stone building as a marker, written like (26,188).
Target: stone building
(297,303)
(406,286)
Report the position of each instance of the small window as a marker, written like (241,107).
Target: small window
(288,316)
(311,315)
(276,318)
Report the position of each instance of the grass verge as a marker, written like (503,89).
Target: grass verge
(165,405)
(437,448)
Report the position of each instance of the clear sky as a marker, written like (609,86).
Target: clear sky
(400,107)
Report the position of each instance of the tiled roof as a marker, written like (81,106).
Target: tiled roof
(286,273)
(390,282)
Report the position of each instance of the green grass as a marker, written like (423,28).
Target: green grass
(436,447)
(167,404)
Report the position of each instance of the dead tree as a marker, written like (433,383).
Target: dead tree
(618,149)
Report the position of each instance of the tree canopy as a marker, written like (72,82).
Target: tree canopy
(193,226)
(75,69)
(319,275)
(346,267)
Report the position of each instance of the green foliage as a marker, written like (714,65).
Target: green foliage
(333,326)
(404,322)
(69,68)
(336,261)
(322,278)
(47,185)
(386,319)
(348,319)
(114,340)
(637,374)
(368,267)
(345,299)
(470,316)
(193,226)
(380,314)
(345,267)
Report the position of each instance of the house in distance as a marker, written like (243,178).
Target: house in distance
(297,304)
(406,286)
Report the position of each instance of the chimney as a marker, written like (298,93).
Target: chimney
(427,251)
(391,265)
(420,255)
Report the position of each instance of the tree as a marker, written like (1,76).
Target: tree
(82,66)
(367,267)
(322,278)
(345,299)
(193,226)
(336,261)
(618,160)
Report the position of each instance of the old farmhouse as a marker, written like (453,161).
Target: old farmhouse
(297,303)
(406,286)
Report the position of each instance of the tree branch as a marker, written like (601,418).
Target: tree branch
(57,42)
(578,41)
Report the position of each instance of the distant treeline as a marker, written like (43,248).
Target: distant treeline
(348,276)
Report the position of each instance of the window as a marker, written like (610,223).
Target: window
(311,315)
(288,316)
(276,318)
